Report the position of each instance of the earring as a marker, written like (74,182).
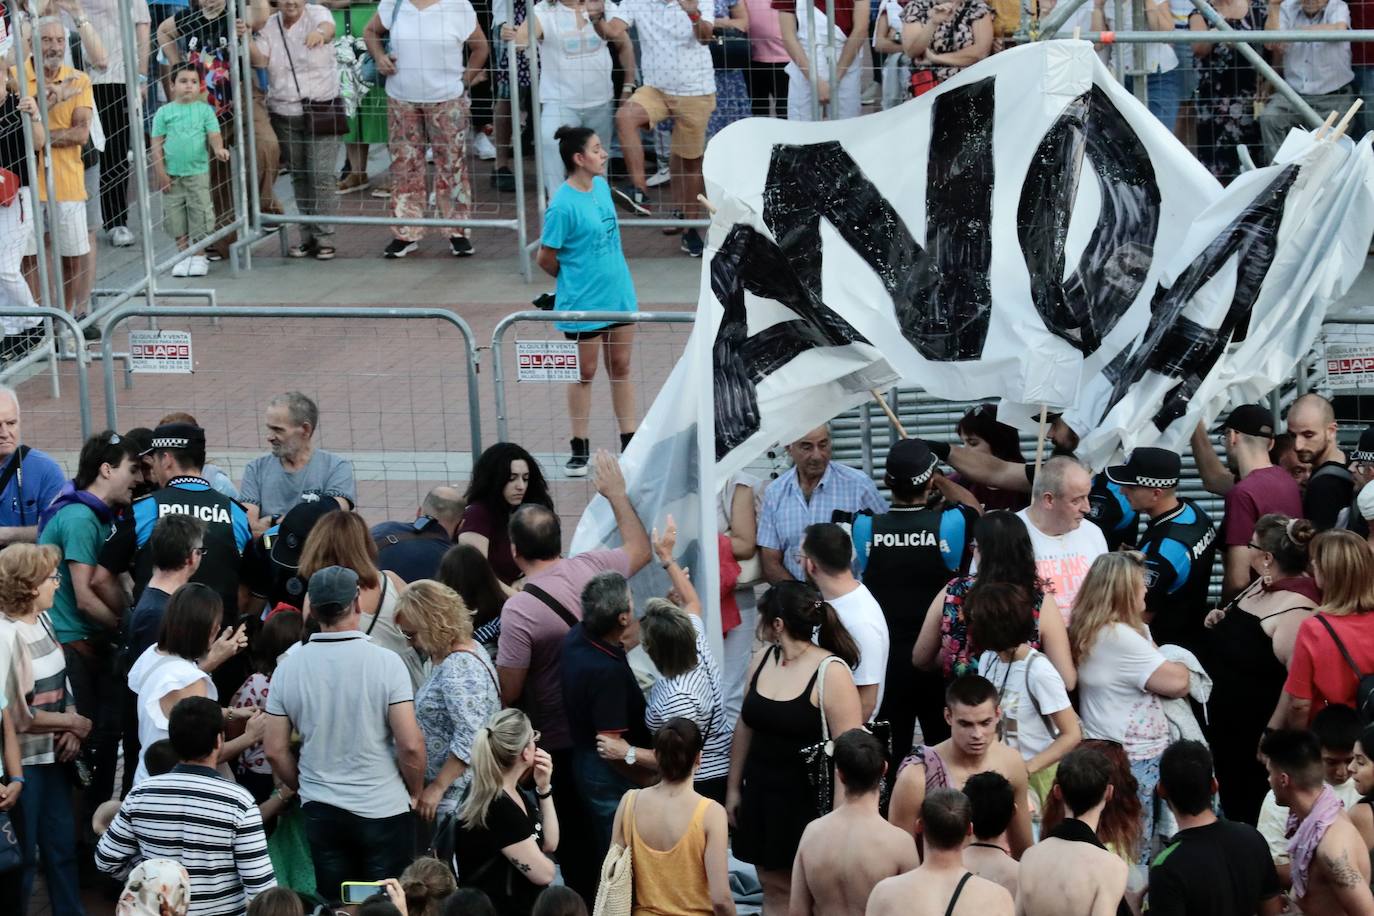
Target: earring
(1265,578)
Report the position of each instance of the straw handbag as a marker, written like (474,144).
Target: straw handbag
(616,892)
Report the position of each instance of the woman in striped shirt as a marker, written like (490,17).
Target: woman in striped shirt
(35,677)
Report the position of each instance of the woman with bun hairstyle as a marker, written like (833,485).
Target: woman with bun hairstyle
(768,796)
(677,838)
(1246,649)
(427,883)
(506,834)
(580,246)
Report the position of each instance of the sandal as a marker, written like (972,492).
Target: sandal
(304,250)
(324,253)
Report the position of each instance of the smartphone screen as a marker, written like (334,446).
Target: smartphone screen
(359,891)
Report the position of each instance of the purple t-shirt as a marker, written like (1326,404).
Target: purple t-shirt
(478,519)
(1261,492)
(532,637)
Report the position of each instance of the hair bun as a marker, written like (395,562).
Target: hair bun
(1300,531)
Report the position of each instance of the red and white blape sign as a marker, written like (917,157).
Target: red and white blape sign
(546,361)
(160,351)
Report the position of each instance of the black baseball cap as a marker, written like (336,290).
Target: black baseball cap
(1364,453)
(1148,467)
(1251,420)
(911,461)
(175,436)
(295,527)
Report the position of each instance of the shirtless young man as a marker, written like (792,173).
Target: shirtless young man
(1070,871)
(994,806)
(942,886)
(972,713)
(1329,862)
(845,853)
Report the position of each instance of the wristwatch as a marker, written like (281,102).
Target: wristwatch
(630,756)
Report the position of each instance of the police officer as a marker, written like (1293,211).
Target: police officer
(1179,545)
(1109,509)
(905,556)
(178,457)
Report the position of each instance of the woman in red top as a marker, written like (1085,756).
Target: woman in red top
(1319,673)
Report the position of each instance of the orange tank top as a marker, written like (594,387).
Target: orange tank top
(671,882)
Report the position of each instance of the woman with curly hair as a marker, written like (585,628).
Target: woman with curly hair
(1119,826)
(51,730)
(459,695)
(504,477)
(342,539)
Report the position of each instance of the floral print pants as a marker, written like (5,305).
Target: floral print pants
(441,127)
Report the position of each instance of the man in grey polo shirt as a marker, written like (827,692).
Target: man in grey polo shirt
(295,470)
(1319,71)
(351,701)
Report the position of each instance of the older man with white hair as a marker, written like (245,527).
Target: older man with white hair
(29,479)
(1064,547)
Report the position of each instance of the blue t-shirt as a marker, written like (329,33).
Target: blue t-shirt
(592,274)
(30,490)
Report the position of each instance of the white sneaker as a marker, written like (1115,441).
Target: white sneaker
(121,237)
(429,154)
(662,176)
(182,268)
(486,150)
(200,266)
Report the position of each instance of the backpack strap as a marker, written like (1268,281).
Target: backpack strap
(1340,645)
(554,604)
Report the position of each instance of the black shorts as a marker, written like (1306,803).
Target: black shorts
(592,335)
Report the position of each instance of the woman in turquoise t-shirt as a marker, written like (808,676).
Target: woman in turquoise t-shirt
(581,248)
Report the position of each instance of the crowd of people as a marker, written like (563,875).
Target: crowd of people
(1004,687)
(429,80)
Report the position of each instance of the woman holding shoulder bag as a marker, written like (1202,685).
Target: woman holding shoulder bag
(676,837)
(797,697)
(296,46)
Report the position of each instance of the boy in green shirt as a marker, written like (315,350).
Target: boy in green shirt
(181,164)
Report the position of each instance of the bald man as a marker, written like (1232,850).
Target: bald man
(1312,424)
(413,550)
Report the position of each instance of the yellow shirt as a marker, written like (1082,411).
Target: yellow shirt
(69,175)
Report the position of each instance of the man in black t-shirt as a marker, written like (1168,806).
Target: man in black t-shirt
(1212,867)
(16,224)
(1312,424)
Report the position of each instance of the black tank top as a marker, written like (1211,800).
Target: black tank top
(781,728)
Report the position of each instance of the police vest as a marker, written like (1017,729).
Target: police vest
(1184,542)
(226,534)
(909,557)
(1109,510)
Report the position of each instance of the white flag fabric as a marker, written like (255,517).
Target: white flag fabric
(1028,231)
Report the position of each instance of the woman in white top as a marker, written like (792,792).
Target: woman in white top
(574,72)
(427,108)
(1122,677)
(296,46)
(179,665)
(1037,718)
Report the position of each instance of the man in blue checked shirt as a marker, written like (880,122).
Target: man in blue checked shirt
(815,490)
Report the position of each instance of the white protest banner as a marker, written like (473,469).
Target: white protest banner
(546,361)
(160,351)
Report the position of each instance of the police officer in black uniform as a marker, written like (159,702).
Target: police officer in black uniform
(1362,469)
(1109,508)
(1179,545)
(178,456)
(905,557)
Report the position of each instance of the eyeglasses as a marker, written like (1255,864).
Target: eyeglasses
(1254,546)
(200,551)
(55,577)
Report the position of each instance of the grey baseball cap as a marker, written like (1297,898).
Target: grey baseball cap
(333,585)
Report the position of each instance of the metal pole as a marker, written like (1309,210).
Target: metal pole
(290,218)
(242,149)
(252,178)
(537,123)
(1182,37)
(1119,60)
(498,336)
(50,211)
(811,56)
(1057,17)
(120,315)
(517,147)
(139,152)
(1214,19)
(59,317)
(834,60)
(1140,76)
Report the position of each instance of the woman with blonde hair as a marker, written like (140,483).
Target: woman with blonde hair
(1122,677)
(1335,646)
(342,539)
(51,730)
(458,697)
(505,835)
(427,883)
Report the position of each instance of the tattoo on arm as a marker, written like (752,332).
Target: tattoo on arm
(1342,872)
(524,867)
